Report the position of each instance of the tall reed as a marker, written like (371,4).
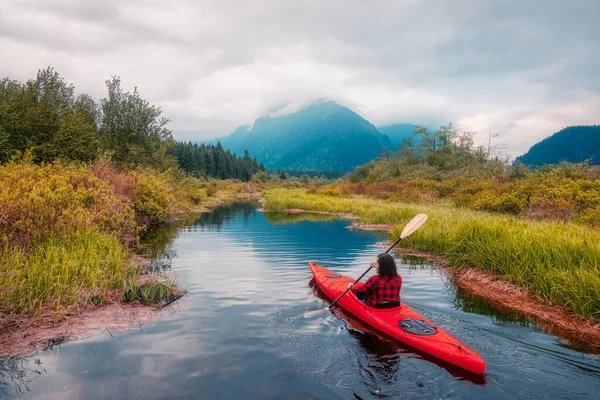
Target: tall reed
(558,262)
(61,272)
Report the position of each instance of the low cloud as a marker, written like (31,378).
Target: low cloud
(520,69)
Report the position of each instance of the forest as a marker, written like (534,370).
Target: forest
(47,118)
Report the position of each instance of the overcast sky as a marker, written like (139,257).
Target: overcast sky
(523,69)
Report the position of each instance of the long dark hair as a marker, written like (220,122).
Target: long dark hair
(387,266)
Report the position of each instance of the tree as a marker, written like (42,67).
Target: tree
(213,161)
(407,150)
(305,179)
(76,139)
(89,109)
(493,150)
(131,127)
(464,144)
(6,150)
(44,116)
(429,142)
(447,135)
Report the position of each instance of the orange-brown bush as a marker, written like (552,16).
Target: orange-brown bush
(65,229)
(565,192)
(39,200)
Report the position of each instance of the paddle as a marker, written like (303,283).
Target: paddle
(412,226)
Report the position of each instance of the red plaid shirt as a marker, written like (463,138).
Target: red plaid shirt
(380,289)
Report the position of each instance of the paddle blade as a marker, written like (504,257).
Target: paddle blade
(413,225)
(310,314)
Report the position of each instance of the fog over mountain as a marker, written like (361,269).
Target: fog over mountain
(322,136)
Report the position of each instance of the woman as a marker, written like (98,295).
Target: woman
(385,286)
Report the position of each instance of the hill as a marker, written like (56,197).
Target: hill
(573,144)
(324,136)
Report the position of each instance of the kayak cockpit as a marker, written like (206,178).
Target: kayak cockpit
(387,304)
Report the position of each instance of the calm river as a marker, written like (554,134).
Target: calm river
(239,333)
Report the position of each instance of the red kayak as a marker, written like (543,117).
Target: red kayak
(400,322)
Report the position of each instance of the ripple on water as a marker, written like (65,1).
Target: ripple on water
(282,320)
(241,333)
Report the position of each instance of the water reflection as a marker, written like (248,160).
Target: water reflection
(290,218)
(224,214)
(241,333)
(471,304)
(158,242)
(17,372)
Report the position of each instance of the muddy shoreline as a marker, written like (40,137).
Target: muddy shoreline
(576,332)
(23,335)
(30,337)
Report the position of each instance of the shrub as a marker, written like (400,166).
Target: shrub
(38,200)
(152,197)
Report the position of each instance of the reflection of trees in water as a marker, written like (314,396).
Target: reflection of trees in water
(162,262)
(158,239)
(468,303)
(17,372)
(282,218)
(414,262)
(159,242)
(224,214)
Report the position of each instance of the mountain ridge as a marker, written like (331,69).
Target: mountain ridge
(326,136)
(572,144)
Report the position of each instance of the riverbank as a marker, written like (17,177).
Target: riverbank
(577,332)
(556,264)
(69,241)
(29,337)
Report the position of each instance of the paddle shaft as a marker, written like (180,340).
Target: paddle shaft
(364,273)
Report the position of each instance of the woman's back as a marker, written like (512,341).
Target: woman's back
(381,288)
(385,286)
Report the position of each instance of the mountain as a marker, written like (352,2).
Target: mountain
(237,139)
(397,132)
(573,144)
(323,136)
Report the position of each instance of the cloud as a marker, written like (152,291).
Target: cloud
(521,69)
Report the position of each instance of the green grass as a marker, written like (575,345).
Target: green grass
(61,272)
(154,291)
(558,262)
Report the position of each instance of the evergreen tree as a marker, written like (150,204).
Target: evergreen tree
(213,161)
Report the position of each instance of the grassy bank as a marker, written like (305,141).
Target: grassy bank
(558,262)
(564,192)
(68,232)
(63,271)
